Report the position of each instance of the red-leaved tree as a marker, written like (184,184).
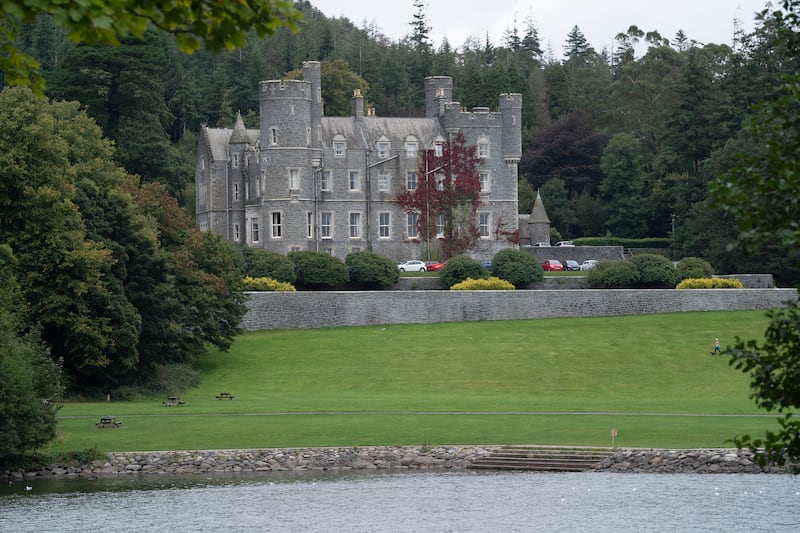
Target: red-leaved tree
(446,197)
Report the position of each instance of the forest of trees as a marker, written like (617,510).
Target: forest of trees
(97,189)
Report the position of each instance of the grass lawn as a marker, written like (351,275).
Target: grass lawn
(555,381)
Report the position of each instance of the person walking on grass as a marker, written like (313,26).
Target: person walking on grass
(717,347)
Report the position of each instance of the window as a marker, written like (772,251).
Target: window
(354,180)
(294,179)
(439,177)
(483,224)
(338,148)
(411,180)
(273,136)
(355,225)
(254,229)
(326,225)
(440,226)
(235,160)
(411,149)
(483,149)
(310,225)
(485,182)
(383,150)
(277,230)
(236,191)
(383,225)
(236,233)
(437,149)
(383,181)
(412,220)
(325,181)
(308,136)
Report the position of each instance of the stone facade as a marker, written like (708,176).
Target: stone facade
(291,310)
(304,181)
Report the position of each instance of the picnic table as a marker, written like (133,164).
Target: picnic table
(224,396)
(108,422)
(173,401)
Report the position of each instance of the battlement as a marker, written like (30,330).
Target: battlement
(284,89)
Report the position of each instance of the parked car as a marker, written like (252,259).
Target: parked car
(569,264)
(588,264)
(541,244)
(487,264)
(433,266)
(564,243)
(412,266)
(552,265)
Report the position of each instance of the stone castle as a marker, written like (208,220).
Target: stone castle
(304,181)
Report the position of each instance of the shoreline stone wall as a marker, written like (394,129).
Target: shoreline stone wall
(307,309)
(367,458)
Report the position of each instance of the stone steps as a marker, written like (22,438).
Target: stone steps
(542,459)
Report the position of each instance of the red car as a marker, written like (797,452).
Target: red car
(433,266)
(552,265)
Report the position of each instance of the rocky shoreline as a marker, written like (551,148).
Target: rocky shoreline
(711,461)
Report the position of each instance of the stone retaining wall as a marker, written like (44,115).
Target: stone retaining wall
(290,310)
(379,458)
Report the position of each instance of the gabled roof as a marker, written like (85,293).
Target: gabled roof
(373,128)
(218,139)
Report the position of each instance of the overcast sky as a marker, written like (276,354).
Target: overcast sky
(705,21)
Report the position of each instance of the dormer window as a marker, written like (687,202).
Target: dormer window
(411,148)
(437,149)
(339,146)
(383,150)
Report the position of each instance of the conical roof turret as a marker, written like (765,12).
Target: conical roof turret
(239,134)
(538,213)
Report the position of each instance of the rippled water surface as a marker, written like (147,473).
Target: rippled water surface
(407,502)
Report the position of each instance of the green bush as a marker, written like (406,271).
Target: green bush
(649,242)
(695,267)
(517,267)
(710,283)
(489,284)
(459,268)
(266,285)
(655,271)
(260,263)
(319,270)
(613,275)
(371,270)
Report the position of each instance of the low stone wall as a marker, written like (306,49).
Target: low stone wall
(709,461)
(290,310)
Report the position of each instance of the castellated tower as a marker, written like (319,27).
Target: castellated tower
(438,91)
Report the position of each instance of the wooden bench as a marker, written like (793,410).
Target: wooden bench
(173,401)
(224,396)
(108,422)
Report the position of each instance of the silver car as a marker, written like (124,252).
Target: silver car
(588,264)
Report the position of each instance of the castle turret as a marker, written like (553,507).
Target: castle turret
(539,223)
(510,106)
(438,91)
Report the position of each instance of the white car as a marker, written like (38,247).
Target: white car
(565,243)
(589,264)
(412,266)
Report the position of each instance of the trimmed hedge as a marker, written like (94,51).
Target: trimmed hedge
(613,275)
(489,284)
(319,270)
(371,270)
(650,242)
(460,268)
(261,263)
(710,283)
(517,267)
(695,267)
(266,285)
(655,271)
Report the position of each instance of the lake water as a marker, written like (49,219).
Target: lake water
(407,502)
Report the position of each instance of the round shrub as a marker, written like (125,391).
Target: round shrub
(694,267)
(260,263)
(517,267)
(613,275)
(319,270)
(489,284)
(459,268)
(655,271)
(371,270)
(266,285)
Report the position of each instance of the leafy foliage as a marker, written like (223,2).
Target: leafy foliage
(448,186)
(518,267)
(613,275)
(460,268)
(655,271)
(491,283)
(371,270)
(266,285)
(694,267)
(709,283)
(262,263)
(319,270)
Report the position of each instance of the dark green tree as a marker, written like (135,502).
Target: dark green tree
(623,186)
